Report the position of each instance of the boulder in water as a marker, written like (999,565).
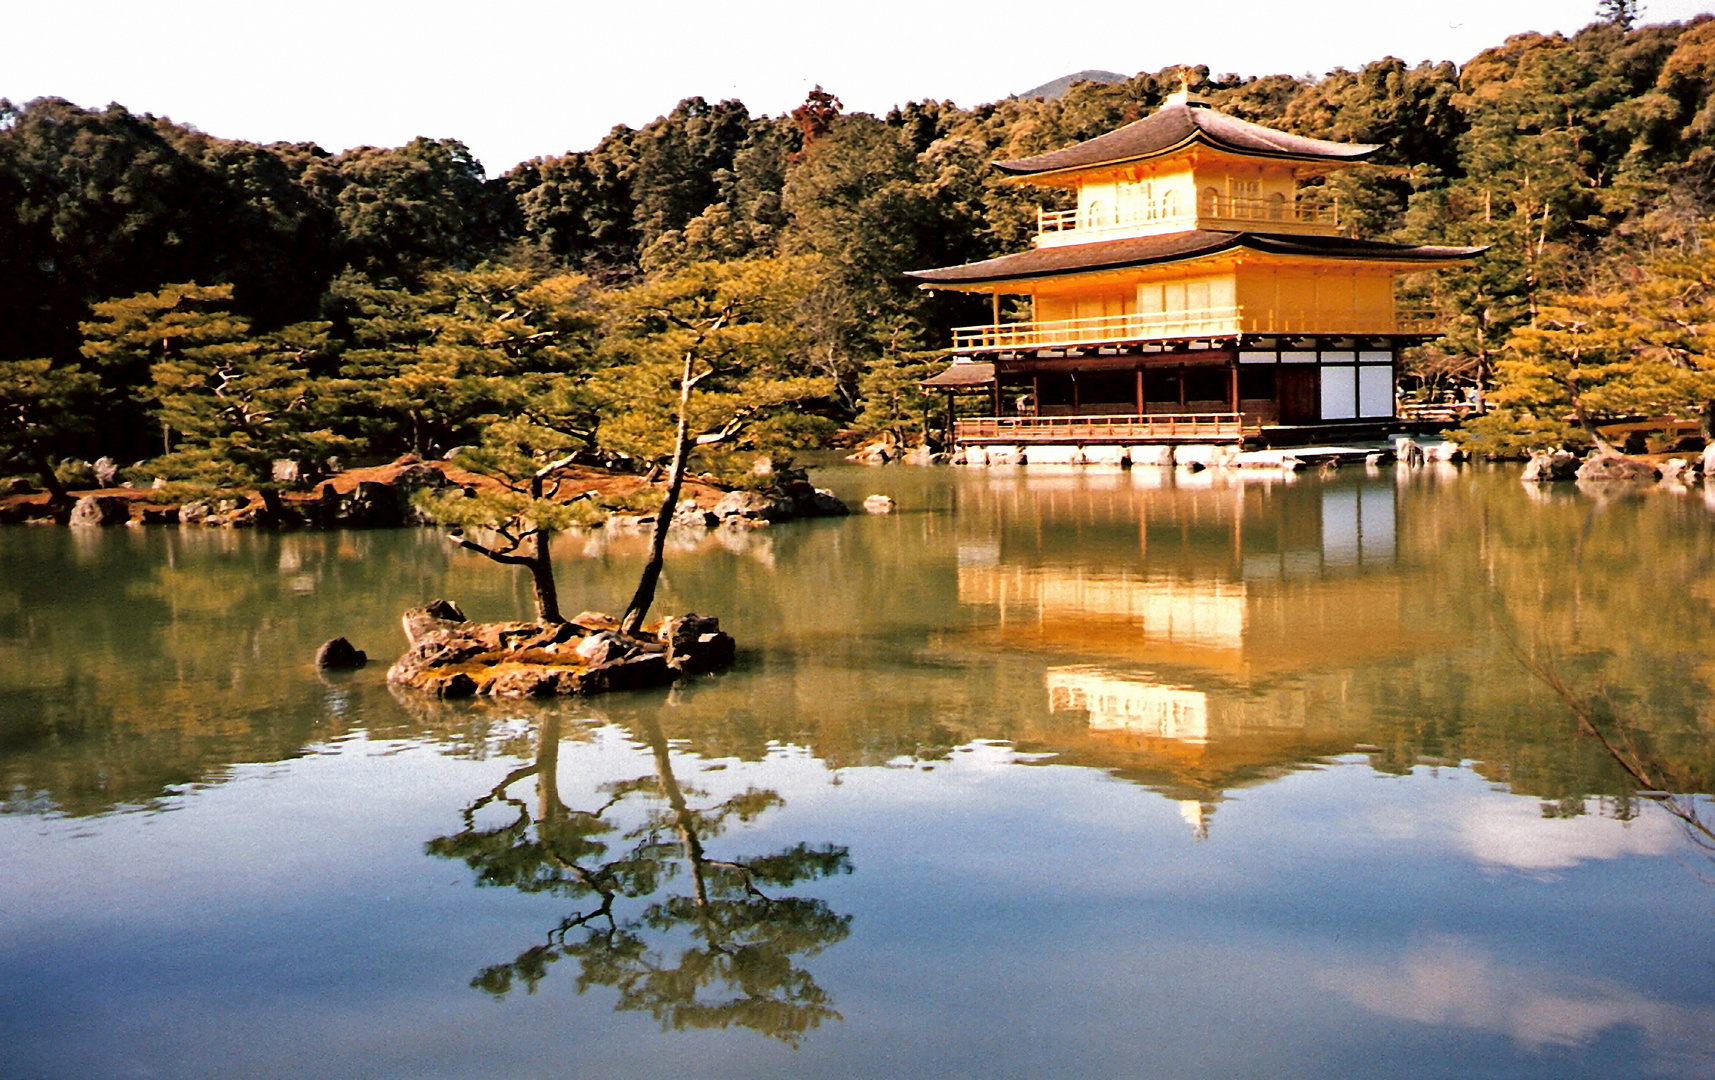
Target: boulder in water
(1611,468)
(1545,466)
(340,655)
(100,510)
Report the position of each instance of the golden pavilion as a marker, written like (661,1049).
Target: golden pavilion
(1198,291)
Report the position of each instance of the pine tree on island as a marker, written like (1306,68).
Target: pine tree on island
(685,365)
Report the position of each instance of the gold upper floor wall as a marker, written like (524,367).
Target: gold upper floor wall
(1200,188)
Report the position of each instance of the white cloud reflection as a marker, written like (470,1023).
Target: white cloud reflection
(1450,983)
(1513,833)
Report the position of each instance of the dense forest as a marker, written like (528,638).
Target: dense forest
(215,304)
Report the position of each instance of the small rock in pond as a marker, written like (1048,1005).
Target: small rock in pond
(340,655)
(1612,467)
(419,622)
(1545,466)
(878,504)
(101,510)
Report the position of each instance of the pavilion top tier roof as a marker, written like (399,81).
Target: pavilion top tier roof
(1184,121)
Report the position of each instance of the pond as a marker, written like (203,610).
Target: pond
(1050,773)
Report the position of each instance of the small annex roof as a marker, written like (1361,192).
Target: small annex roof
(962,376)
(1178,125)
(1175,247)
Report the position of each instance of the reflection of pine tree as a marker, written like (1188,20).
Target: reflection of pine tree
(726,953)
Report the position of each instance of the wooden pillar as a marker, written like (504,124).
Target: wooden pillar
(1182,405)
(1036,395)
(1140,411)
(994,393)
(1235,393)
(952,419)
(1074,377)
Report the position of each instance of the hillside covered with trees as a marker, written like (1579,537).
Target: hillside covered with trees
(216,304)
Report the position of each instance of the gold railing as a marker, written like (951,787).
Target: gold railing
(1110,328)
(1161,326)
(1186,427)
(1167,214)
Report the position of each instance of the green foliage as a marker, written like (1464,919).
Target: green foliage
(894,402)
(1641,347)
(1581,363)
(230,401)
(427,367)
(744,323)
(423,205)
(42,406)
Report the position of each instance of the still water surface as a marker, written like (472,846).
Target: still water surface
(1049,774)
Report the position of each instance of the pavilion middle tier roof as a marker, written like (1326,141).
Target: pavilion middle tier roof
(1176,247)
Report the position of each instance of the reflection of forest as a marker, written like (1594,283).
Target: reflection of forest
(136,660)
(1303,618)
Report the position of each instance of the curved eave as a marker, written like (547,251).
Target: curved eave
(1136,252)
(1197,137)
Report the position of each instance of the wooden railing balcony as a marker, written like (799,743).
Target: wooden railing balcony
(1155,427)
(1173,325)
(1221,212)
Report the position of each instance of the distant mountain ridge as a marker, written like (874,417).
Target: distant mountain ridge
(1053,90)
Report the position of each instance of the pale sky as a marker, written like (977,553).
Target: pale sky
(523,78)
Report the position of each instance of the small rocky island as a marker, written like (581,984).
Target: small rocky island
(451,657)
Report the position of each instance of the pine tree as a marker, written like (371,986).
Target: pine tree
(694,360)
(41,405)
(1621,13)
(1584,361)
(541,416)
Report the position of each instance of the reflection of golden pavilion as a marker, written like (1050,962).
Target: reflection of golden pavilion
(1209,633)
(1191,744)
(1238,579)
(1119,703)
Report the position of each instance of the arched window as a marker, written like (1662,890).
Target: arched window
(1096,215)
(1169,203)
(1277,207)
(1210,203)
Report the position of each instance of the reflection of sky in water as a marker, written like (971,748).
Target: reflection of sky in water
(1449,983)
(1059,922)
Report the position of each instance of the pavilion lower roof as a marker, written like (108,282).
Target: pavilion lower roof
(1176,247)
(962,375)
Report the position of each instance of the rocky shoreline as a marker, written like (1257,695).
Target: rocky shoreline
(452,657)
(381,497)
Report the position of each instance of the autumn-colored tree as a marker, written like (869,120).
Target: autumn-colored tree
(817,114)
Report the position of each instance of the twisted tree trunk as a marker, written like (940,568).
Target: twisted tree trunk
(644,597)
